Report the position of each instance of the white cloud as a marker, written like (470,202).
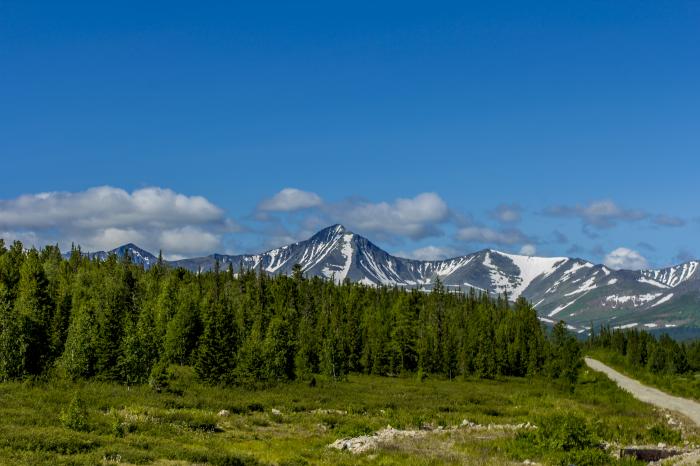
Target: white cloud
(414,217)
(189,240)
(109,238)
(668,221)
(104,217)
(105,207)
(485,235)
(429,253)
(507,213)
(528,250)
(290,199)
(600,214)
(624,258)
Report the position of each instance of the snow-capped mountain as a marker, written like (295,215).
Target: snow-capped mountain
(561,288)
(138,256)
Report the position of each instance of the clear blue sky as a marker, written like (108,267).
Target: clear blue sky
(581,119)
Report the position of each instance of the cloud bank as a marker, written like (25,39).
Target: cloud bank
(599,214)
(104,217)
(291,199)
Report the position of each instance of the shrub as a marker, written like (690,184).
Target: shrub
(587,457)
(158,379)
(563,432)
(75,416)
(662,433)
(256,408)
(119,426)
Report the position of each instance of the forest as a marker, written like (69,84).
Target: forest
(659,361)
(111,320)
(640,349)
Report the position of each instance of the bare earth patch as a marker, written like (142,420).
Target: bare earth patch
(389,436)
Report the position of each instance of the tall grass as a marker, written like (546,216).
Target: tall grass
(180,424)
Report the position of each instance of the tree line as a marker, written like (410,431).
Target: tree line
(82,318)
(662,355)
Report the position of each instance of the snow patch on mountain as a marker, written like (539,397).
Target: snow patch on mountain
(531,268)
(570,272)
(673,276)
(499,279)
(588,285)
(561,308)
(634,300)
(652,282)
(347,252)
(663,300)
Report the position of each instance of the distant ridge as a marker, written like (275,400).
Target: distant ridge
(561,288)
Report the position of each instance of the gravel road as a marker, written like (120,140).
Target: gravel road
(689,408)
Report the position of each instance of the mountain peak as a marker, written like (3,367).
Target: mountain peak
(331,231)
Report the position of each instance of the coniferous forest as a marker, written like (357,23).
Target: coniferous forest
(79,318)
(640,349)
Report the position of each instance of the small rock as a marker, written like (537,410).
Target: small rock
(224,413)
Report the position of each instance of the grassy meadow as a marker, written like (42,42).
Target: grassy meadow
(40,422)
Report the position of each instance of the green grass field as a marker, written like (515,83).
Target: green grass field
(180,425)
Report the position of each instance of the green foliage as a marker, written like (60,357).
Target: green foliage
(562,431)
(136,425)
(78,359)
(111,320)
(158,379)
(565,357)
(119,427)
(586,457)
(74,416)
(564,438)
(663,433)
(661,361)
(641,350)
(11,340)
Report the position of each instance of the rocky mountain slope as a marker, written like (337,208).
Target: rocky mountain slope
(561,288)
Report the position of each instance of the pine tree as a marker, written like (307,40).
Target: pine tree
(251,363)
(78,358)
(565,360)
(183,330)
(35,311)
(278,351)
(12,343)
(216,358)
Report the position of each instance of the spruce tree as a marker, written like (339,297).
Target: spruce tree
(12,342)
(35,311)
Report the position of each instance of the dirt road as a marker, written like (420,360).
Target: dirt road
(689,408)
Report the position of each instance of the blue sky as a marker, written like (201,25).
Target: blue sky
(560,128)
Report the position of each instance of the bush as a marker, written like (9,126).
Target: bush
(75,416)
(158,379)
(563,432)
(256,408)
(565,439)
(119,426)
(587,457)
(662,433)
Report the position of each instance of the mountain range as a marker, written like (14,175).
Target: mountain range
(561,288)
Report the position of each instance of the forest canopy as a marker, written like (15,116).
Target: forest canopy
(82,318)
